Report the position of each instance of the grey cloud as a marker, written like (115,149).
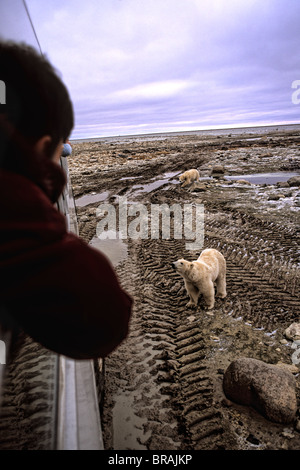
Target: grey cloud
(132,64)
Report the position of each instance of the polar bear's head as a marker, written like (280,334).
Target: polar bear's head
(192,271)
(182,266)
(182,177)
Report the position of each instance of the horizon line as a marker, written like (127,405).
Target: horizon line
(187,130)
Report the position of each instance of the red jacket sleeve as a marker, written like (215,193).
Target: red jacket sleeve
(60,290)
(66,295)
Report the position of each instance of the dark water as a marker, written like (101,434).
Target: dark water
(266,178)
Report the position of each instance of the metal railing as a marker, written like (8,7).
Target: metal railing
(78,425)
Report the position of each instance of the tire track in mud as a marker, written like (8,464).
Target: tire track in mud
(189,383)
(170,380)
(147,361)
(262,268)
(177,365)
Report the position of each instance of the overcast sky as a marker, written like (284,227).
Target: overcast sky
(140,66)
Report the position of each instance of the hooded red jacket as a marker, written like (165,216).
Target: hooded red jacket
(60,290)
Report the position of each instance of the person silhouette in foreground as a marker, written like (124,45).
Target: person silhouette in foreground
(54,286)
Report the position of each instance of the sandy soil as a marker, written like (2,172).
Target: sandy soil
(164,383)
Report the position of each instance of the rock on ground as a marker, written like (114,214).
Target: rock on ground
(266,387)
(294,181)
(293,331)
(218,170)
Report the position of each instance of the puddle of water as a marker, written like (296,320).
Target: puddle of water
(146,188)
(272,333)
(114,248)
(172,174)
(127,427)
(91,198)
(157,183)
(265,178)
(129,178)
(143,188)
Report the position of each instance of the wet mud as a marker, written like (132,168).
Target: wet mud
(163,385)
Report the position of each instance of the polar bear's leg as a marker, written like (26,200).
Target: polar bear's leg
(193,293)
(185,183)
(209,295)
(221,286)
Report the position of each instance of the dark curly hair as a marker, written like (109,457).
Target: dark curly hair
(37,104)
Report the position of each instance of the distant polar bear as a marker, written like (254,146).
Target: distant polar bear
(199,276)
(189,177)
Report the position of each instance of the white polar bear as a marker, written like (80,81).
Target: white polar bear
(199,276)
(189,177)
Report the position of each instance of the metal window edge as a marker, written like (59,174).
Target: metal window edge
(78,413)
(78,420)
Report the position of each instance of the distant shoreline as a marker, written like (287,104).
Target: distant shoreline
(214,131)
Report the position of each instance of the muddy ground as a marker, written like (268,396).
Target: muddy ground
(164,383)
